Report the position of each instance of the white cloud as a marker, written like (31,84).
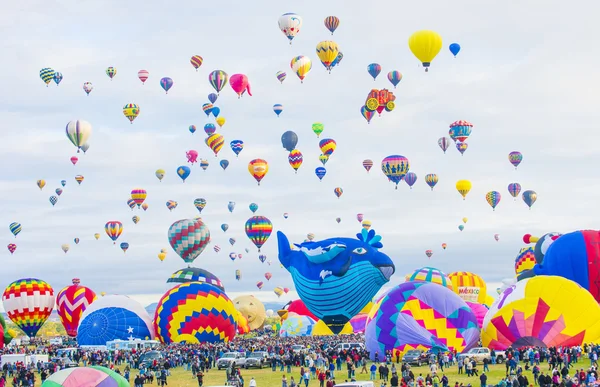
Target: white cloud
(524,77)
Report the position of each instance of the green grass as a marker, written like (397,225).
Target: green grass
(268,378)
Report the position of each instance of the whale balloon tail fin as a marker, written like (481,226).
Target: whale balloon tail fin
(284,249)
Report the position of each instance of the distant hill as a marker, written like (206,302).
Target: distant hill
(151,309)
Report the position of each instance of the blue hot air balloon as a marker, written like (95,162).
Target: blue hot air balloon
(207,108)
(216,111)
(166,83)
(289,140)
(253,207)
(212,97)
(57,78)
(209,129)
(224,227)
(374,69)
(183,172)
(192,129)
(230,206)
(278,108)
(224,164)
(63,182)
(320,172)
(236,146)
(53,200)
(454,49)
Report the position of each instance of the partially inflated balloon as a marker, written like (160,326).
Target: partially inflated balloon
(71,302)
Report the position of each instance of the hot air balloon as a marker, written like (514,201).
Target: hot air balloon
(207,108)
(290,24)
(231,206)
(143,75)
(74,160)
(289,140)
(460,130)
(428,253)
(394,77)
(124,246)
(113,229)
(12,247)
(65,247)
(131,111)
(332,23)
(444,143)
(53,200)
(224,164)
(318,128)
(212,97)
(28,302)
(71,302)
(138,195)
(367,164)
(366,224)
(145,206)
(79,179)
(281,76)
(258,230)
(188,238)
(88,87)
(461,227)
(41,184)
(171,204)
(395,168)
(196,61)
(410,178)
(444,245)
(515,158)
(295,159)
(160,174)
(454,49)
(253,207)
(258,168)
(463,187)
(278,108)
(461,147)
(47,74)
(327,51)
(514,189)
(58,77)
(259,285)
(239,83)
(204,164)
(135,219)
(78,132)
(493,198)
(76,240)
(327,146)
(215,142)
(367,114)
(162,256)
(58,191)
(338,191)
(425,45)
(268,276)
(320,172)
(529,197)
(465,220)
(301,65)
(218,79)
(374,69)
(183,172)
(236,146)
(166,83)
(323,159)
(200,203)
(97,236)
(85,147)
(497,237)
(111,72)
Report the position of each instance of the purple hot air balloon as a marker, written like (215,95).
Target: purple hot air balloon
(166,83)
(514,189)
(444,143)
(410,179)
(398,324)
(515,158)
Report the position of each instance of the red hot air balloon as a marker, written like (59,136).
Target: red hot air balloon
(74,160)
(71,302)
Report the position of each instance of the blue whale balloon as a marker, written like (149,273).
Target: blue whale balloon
(336,278)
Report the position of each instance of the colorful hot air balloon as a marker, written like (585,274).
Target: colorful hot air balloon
(514,189)
(367,114)
(111,72)
(327,51)
(58,191)
(367,164)
(47,74)
(258,168)
(444,143)
(323,159)
(301,65)
(366,224)
(454,49)
(278,108)
(529,197)
(224,164)
(188,238)
(290,24)
(88,87)
(204,164)
(131,111)
(209,129)
(425,45)
(281,76)
(236,146)
(218,79)
(239,83)
(462,147)
(183,172)
(207,108)
(138,195)
(145,206)
(200,203)
(431,179)
(327,146)
(79,179)
(493,198)
(143,76)
(53,200)
(428,253)
(171,204)
(295,159)
(78,132)
(410,179)
(160,174)
(515,158)
(71,302)
(41,184)
(113,229)
(268,276)
(444,245)
(12,247)
(97,236)
(196,61)
(258,230)
(460,130)
(135,219)
(318,128)
(374,69)
(166,83)
(28,302)
(338,191)
(58,77)
(463,187)
(253,207)
(332,23)
(124,246)
(394,77)
(215,142)
(395,167)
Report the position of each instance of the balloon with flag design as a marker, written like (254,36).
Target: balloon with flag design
(28,302)
(71,302)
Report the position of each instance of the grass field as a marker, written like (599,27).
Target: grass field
(268,378)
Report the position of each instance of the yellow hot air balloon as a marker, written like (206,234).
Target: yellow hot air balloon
(327,51)
(465,220)
(41,184)
(301,65)
(463,187)
(65,248)
(160,174)
(425,45)
(162,256)
(97,236)
(131,111)
(366,224)
(103,294)
(258,168)
(220,121)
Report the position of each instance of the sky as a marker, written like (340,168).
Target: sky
(525,78)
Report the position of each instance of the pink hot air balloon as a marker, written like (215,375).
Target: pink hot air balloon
(239,84)
(360,217)
(74,160)
(192,156)
(143,75)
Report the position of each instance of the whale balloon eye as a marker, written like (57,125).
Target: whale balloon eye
(359,251)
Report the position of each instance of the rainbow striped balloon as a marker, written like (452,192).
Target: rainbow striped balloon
(28,303)
(258,230)
(195,312)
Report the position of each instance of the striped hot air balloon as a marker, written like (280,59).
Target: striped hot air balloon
(71,302)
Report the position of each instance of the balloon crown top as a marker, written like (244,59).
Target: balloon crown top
(370,238)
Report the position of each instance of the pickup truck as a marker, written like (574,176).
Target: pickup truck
(236,358)
(257,359)
(480,353)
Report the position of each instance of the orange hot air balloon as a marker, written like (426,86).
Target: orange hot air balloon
(215,142)
(258,168)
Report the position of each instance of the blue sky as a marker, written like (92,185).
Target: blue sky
(524,78)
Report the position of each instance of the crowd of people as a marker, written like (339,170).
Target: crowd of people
(304,361)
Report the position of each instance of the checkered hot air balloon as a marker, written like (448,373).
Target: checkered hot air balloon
(189,238)
(71,302)
(28,303)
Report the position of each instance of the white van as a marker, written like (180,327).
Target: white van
(349,346)
(356,384)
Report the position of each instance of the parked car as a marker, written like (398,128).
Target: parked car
(257,359)
(231,358)
(415,357)
(480,353)
(349,346)
(298,348)
(147,359)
